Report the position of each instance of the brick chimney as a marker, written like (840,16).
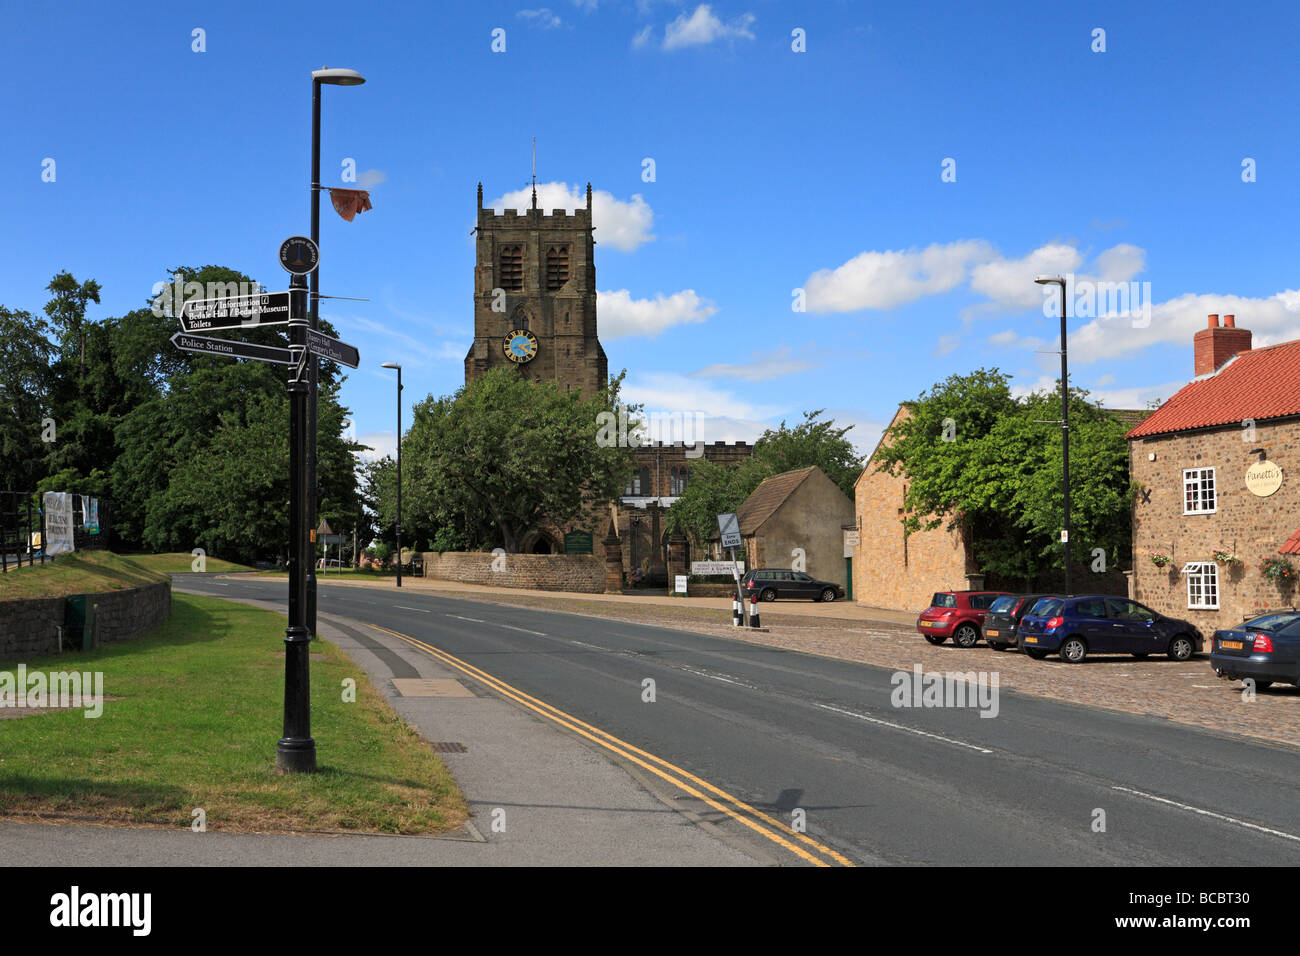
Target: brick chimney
(1216,344)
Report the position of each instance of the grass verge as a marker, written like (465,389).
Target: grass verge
(82,572)
(179,562)
(197,714)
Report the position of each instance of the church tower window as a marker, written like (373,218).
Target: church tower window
(512,268)
(557,267)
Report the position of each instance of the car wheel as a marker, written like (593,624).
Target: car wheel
(1035,655)
(935,638)
(1181,648)
(965,636)
(1141,655)
(828,594)
(1074,650)
(769,594)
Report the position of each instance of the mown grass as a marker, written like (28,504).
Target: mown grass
(82,572)
(181,561)
(198,712)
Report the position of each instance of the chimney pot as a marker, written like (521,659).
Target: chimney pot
(1214,320)
(1229,321)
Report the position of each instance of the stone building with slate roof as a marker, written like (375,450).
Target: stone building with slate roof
(1218,466)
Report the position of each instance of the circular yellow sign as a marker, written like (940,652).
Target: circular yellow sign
(1263,478)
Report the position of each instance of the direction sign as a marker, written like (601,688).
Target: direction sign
(332,349)
(229,349)
(729,528)
(299,255)
(235,312)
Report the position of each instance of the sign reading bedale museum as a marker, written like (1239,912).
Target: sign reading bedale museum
(235,312)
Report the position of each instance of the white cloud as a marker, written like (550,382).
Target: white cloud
(620,315)
(619,225)
(885,280)
(713,414)
(946,344)
(1120,263)
(703,27)
(542,18)
(371,178)
(1010,282)
(761,367)
(382,445)
(642,38)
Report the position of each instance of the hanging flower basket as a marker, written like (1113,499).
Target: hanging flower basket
(1279,570)
(1225,557)
(1160,559)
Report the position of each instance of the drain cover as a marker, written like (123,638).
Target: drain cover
(448,747)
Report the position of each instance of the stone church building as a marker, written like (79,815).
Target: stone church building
(535,310)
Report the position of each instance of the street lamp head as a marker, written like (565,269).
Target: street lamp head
(1050,280)
(338,77)
(391,365)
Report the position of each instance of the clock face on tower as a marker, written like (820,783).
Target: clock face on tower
(520,346)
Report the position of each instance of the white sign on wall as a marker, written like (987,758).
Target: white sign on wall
(681,583)
(715,567)
(58,522)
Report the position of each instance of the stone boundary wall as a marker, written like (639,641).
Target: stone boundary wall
(29,628)
(544,572)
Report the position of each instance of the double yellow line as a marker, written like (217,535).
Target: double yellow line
(769,827)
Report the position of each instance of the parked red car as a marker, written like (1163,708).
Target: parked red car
(956,614)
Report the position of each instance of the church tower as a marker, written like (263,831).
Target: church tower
(535,297)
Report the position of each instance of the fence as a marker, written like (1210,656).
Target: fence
(22,527)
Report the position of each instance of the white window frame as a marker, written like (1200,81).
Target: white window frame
(1197,477)
(1202,582)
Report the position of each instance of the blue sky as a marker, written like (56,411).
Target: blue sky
(774,170)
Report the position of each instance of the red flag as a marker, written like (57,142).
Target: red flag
(349,202)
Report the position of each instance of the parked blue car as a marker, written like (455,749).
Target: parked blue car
(1266,648)
(1098,624)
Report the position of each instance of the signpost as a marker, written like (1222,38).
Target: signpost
(231,349)
(729,528)
(235,312)
(332,349)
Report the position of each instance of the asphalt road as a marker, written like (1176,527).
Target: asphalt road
(785,731)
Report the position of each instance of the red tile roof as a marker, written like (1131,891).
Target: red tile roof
(1292,545)
(1260,384)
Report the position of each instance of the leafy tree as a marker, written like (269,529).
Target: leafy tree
(504,456)
(983,463)
(67,311)
(26,381)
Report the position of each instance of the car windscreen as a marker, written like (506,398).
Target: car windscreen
(1291,628)
(943,600)
(1003,605)
(1272,622)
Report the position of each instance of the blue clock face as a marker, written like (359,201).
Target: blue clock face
(520,346)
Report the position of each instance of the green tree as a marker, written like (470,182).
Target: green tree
(989,466)
(26,382)
(504,456)
(67,311)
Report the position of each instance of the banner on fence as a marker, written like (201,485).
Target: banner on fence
(58,522)
(90,515)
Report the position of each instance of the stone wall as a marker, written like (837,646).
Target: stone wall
(29,628)
(545,572)
(1252,526)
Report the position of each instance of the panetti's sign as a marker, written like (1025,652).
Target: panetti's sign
(1263,478)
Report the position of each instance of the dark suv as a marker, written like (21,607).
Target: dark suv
(956,614)
(773,583)
(1003,619)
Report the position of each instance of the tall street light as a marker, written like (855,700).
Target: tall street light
(1065,423)
(336,77)
(399,468)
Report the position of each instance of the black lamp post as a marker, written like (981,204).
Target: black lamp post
(399,468)
(1065,422)
(337,77)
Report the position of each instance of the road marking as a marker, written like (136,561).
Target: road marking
(594,647)
(476,620)
(420,609)
(719,677)
(673,774)
(904,727)
(524,629)
(1209,813)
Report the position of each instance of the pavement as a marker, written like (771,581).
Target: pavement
(539,796)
